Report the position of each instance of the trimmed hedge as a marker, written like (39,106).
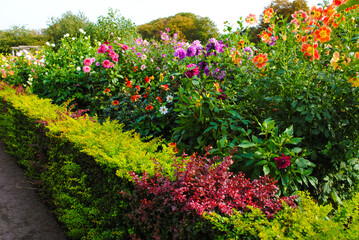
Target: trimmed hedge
(81,165)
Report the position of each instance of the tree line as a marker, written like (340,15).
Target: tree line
(188,26)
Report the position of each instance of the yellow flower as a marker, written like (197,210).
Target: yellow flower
(161,76)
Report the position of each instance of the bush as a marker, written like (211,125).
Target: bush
(172,208)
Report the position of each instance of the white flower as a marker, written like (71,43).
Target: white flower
(143,57)
(18,54)
(78,68)
(169,98)
(46,73)
(47,43)
(163,110)
(73,38)
(53,45)
(82,31)
(86,38)
(66,35)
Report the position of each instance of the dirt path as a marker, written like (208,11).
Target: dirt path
(22,214)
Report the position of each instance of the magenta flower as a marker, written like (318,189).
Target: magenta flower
(86,69)
(87,61)
(102,48)
(282,161)
(107,64)
(192,70)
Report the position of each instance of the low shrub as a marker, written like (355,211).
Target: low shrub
(165,208)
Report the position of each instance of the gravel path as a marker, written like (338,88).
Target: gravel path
(22,214)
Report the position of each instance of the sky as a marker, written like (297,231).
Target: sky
(35,14)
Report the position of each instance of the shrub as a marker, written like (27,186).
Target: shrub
(172,208)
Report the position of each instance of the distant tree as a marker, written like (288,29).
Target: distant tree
(19,35)
(190,27)
(282,8)
(113,25)
(67,23)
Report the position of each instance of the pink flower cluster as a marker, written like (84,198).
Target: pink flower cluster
(282,161)
(87,63)
(108,49)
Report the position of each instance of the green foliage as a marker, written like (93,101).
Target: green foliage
(20,35)
(308,221)
(112,25)
(68,23)
(81,179)
(257,156)
(189,26)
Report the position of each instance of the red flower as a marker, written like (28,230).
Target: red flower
(115,102)
(260,60)
(159,99)
(149,107)
(138,88)
(135,68)
(311,50)
(265,36)
(107,90)
(322,34)
(165,87)
(129,84)
(134,98)
(147,80)
(145,95)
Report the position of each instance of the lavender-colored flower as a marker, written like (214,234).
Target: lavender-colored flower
(272,42)
(249,52)
(180,53)
(207,71)
(143,67)
(191,51)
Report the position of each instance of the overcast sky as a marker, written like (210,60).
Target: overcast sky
(35,14)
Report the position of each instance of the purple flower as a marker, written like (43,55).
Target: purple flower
(180,53)
(272,41)
(202,65)
(206,71)
(282,161)
(191,51)
(249,52)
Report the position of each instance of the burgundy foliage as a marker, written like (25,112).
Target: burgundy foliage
(203,185)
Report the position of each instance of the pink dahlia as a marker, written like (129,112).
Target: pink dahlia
(107,64)
(87,61)
(86,69)
(192,70)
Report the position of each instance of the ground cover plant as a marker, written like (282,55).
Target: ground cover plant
(287,107)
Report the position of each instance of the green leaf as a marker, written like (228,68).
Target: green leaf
(313,181)
(246,145)
(266,169)
(296,150)
(285,180)
(295,141)
(289,131)
(261,162)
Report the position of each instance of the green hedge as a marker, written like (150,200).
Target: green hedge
(81,167)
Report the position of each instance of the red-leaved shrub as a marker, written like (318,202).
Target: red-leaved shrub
(165,208)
